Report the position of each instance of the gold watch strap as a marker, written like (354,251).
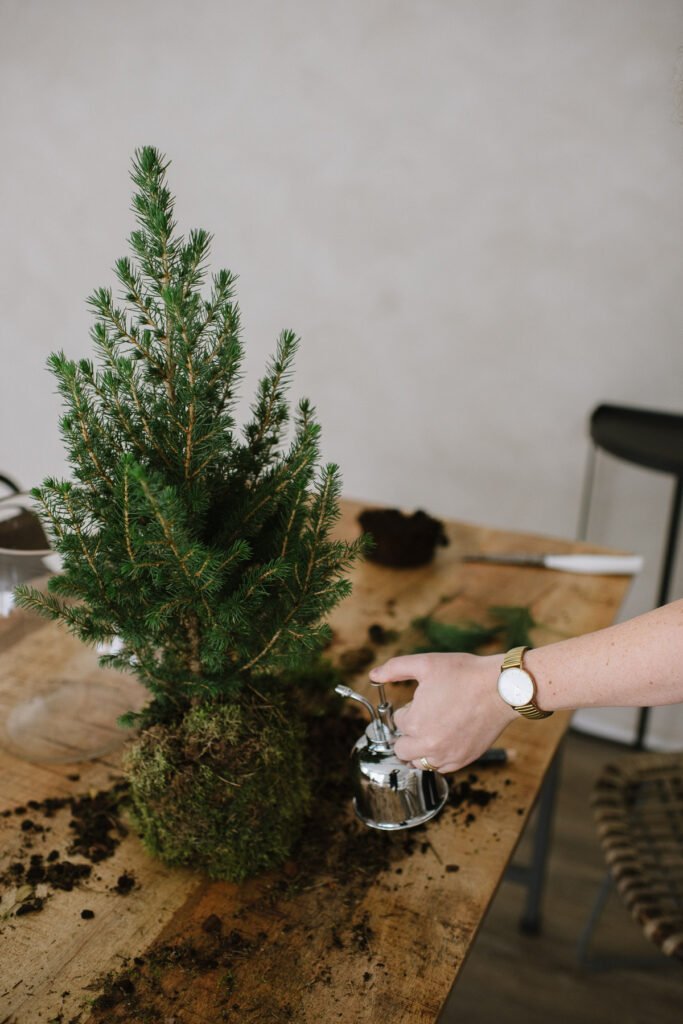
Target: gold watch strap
(513,659)
(532,711)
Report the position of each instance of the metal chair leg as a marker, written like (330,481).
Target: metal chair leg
(671,542)
(587,493)
(664,587)
(593,918)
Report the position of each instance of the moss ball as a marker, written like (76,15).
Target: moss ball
(225,790)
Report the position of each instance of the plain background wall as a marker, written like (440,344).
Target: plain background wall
(469,209)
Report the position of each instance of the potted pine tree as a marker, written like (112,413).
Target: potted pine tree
(204,548)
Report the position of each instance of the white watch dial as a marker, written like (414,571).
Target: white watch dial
(516,687)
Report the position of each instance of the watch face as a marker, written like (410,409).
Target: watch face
(516,687)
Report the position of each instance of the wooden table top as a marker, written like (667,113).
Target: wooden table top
(347,947)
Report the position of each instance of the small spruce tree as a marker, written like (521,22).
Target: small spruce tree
(205,549)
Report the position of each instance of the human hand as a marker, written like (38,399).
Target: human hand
(456,712)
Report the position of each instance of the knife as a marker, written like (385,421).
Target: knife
(599,565)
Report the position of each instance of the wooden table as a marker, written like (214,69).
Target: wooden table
(386,948)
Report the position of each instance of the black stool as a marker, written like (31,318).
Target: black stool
(653,440)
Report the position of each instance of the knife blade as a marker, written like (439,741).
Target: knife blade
(598,565)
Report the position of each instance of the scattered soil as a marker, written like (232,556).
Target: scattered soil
(378,634)
(95,832)
(30,906)
(316,896)
(356,658)
(464,795)
(402,541)
(325,881)
(135,993)
(125,883)
(212,924)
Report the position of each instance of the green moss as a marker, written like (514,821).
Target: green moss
(225,790)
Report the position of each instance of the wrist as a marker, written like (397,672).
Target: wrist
(490,670)
(517,684)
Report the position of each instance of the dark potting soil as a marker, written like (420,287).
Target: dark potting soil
(125,883)
(135,993)
(356,658)
(464,795)
(379,634)
(96,830)
(402,541)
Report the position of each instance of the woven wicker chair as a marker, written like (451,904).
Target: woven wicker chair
(638,807)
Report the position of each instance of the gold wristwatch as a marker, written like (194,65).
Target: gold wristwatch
(517,686)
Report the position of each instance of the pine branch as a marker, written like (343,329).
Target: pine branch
(101,302)
(511,625)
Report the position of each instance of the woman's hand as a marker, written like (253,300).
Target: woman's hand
(456,712)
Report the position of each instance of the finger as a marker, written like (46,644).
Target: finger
(433,763)
(402,717)
(407,748)
(407,666)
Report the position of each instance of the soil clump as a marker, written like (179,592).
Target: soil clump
(402,541)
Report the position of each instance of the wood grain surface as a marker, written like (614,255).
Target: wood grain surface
(386,947)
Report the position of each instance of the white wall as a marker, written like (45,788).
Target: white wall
(469,209)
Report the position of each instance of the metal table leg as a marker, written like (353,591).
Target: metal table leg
(533,875)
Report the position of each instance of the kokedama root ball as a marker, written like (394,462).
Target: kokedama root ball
(225,789)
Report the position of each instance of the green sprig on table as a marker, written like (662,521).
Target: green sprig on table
(510,626)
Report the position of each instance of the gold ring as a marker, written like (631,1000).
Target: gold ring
(426,765)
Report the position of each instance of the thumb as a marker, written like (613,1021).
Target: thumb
(408,666)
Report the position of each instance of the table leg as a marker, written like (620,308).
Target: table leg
(532,875)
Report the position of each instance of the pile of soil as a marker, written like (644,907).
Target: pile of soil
(402,541)
(96,830)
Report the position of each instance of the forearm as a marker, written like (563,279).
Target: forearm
(633,664)
(457,711)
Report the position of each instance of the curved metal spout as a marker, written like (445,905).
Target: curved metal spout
(378,728)
(346,691)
